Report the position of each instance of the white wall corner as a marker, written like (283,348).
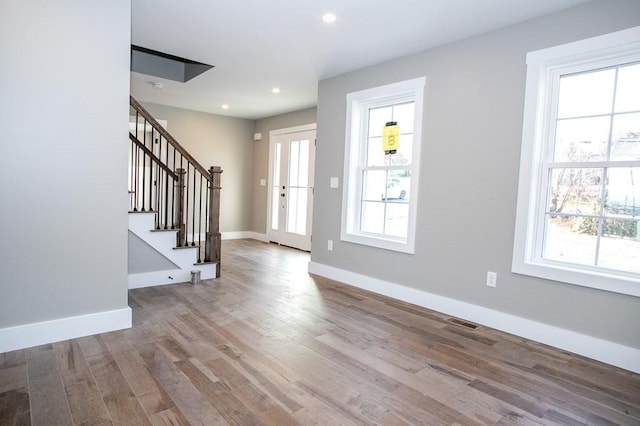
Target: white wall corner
(612,353)
(41,333)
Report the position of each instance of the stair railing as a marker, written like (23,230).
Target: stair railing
(165,179)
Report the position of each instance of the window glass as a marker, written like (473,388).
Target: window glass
(582,139)
(628,93)
(626,137)
(575,191)
(623,192)
(586,94)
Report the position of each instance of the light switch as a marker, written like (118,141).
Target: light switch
(263,182)
(333,183)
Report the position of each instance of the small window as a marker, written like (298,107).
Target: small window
(381,181)
(578,217)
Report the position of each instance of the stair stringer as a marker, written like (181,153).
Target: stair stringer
(142,225)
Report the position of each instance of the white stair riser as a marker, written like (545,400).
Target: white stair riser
(172,276)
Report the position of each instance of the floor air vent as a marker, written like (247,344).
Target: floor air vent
(463,323)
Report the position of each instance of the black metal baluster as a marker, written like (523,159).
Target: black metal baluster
(157,185)
(193,218)
(144,165)
(132,193)
(150,172)
(200,223)
(206,208)
(173,194)
(135,162)
(166,185)
(179,202)
(182,206)
(160,196)
(186,204)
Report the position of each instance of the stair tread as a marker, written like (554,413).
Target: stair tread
(187,247)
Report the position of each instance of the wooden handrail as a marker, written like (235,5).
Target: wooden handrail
(165,134)
(147,151)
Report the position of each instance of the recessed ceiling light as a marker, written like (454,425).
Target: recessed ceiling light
(225,106)
(156,84)
(275,90)
(329,18)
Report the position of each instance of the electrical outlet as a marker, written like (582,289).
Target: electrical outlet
(330,245)
(492,279)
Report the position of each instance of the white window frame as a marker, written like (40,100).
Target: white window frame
(358,105)
(544,68)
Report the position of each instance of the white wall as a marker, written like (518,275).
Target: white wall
(64,85)
(470,156)
(144,258)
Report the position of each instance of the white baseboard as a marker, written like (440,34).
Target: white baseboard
(591,347)
(235,235)
(40,333)
(172,276)
(245,235)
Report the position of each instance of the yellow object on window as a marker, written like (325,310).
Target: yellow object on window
(390,137)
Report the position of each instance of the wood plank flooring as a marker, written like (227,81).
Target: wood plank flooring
(269,344)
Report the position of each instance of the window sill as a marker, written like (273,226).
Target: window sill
(575,275)
(399,245)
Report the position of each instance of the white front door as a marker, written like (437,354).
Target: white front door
(292,160)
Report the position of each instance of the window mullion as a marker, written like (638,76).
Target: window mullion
(613,106)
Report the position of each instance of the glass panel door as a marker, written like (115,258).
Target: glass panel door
(291,189)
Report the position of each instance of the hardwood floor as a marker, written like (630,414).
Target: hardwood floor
(268,344)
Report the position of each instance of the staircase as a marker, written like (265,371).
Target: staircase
(174,206)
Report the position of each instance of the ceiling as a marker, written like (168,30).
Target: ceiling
(256,45)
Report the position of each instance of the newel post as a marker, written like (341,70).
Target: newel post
(212,246)
(179,223)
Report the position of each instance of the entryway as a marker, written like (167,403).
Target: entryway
(291,168)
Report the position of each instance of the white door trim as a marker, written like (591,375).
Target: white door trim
(294,129)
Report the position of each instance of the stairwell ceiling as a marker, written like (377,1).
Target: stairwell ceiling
(257,45)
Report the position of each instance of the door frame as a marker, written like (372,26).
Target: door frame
(272,135)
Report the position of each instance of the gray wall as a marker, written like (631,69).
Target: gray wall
(64,91)
(144,258)
(470,157)
(261,160)
(216,140)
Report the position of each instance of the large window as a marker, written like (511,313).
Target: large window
(579,201)
(380,192)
